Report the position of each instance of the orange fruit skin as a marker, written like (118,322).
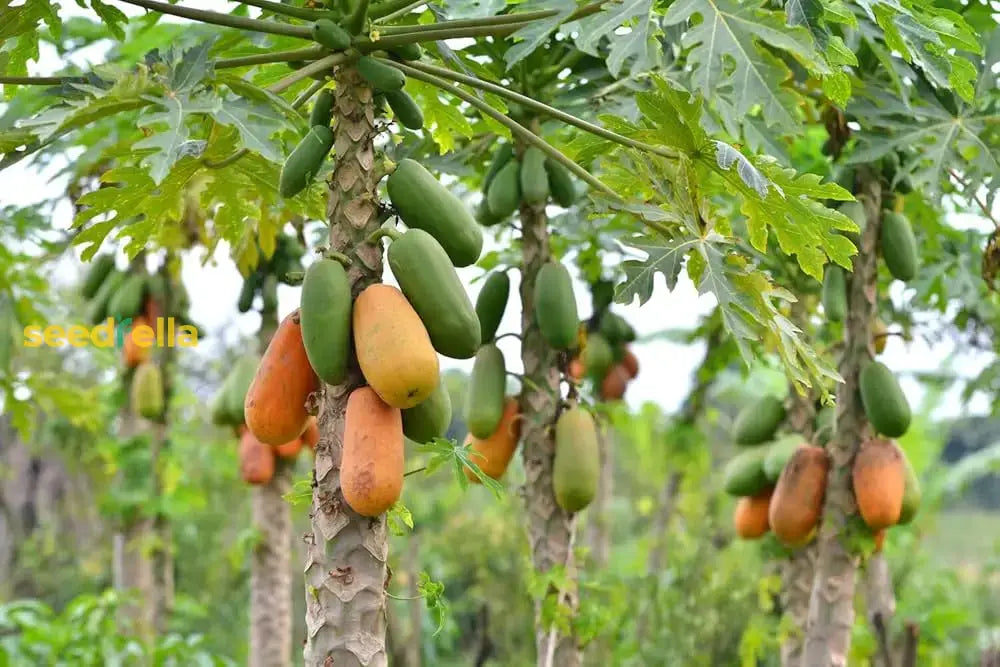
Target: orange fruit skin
(797,502)
(614,383)
(879,478)
(310,436)
(496,451)
(371,471)
(631,363)
(133,353)
(256,460)
(275,406)
(393,347)
(750,517)
(575,370)
(289,450)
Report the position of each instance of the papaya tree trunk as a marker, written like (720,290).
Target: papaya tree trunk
(880,601)
(551,529)
(346,553)
(831,605)
(798,569)
(133,543)
(270,563)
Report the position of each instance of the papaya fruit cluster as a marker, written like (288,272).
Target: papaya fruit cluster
(606,359)
(132,295)
(306,159)
(284,263)
(780,480)
(531,178)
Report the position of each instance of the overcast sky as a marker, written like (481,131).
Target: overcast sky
(666,367)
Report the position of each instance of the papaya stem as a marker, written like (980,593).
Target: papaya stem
(307,53)
(320,65)
(503,20)
(386,9)
(307,94)
(523,100)
(356,21)
(414,471)
(227,20)
(383,232)
(40,80)
(509,334)
(344,260)
(400,597)
(303,13)
(522,132)
(402,11)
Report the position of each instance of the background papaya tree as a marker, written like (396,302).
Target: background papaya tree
(662,168)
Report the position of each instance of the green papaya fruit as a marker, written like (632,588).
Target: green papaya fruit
(322,109)
(380,75)
(534,178)
(269,292)
(504,194)
(98,308)
(560,184)
(834,295)
(484,216)
(615,328)
(501,156)
(744,474)
(912,494)
(100,267)
(237,385)
(423,203)
(429,419)
(899,247)
(825,425)
(597,357)
(555,306)
(407,52)
(491,303)
(431,285)
(327,33)
(486,393)
(127,299)
(147,391)
(304,162)
(778,453)
(884,400)
(406,110)
(757,422)
(325,318)
(247,292)
(602,294)
(577,463)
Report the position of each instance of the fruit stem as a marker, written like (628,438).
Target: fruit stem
(402,11)
(303,13)
(509,334)
(356,21)
(227,20)
(344,260)
(307,53)
(316,67)
(383,232)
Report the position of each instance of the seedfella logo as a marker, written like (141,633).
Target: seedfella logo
(167,333)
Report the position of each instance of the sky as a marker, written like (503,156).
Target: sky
(666,367)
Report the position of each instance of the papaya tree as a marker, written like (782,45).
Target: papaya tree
(209,118)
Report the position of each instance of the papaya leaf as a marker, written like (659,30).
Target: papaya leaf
(639,47)
(728,52)
(443,116)
(534,34)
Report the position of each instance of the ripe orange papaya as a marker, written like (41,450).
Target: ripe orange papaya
(256,460)
(275,404)
(798,498)
(310,436)
(134,353)
(493,454)
(614,383)
(393,347)
(750,516)
(371,471)
(630,362)
(290,449)
(575,369)
(879,477)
